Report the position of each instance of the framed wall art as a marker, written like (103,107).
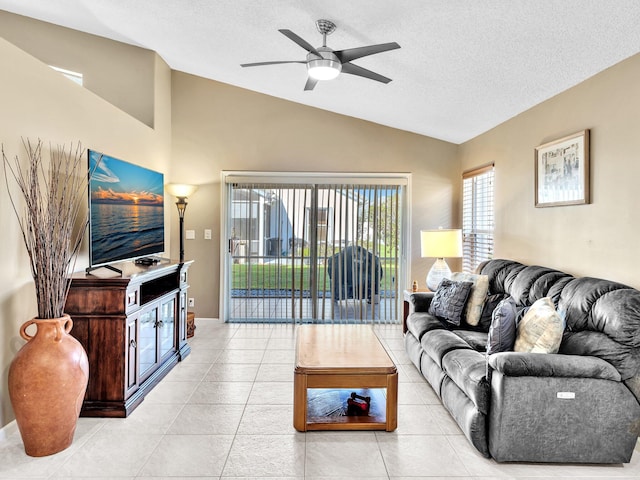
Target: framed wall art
(562,171)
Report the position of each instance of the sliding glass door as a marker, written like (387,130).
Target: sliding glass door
(311,249)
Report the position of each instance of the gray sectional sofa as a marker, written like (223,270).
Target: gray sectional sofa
(578,405)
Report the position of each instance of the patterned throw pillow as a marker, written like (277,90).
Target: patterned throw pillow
(541,328)
(502,333)
(477,296)
(450,300)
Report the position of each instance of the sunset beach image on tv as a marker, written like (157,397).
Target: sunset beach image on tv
(126,204)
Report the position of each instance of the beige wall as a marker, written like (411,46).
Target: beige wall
(37,102)
(599,239)
(219,127)
(112,70)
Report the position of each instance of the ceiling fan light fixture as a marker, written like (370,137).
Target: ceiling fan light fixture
(324,68)
(324,63)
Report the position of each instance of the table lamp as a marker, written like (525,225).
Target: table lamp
(181,192)
(440,244)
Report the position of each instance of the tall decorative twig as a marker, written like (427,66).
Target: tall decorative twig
(53,219)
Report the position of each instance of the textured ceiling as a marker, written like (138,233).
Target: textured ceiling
(465,66)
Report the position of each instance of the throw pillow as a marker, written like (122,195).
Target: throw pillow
(541,328)
(450,300)
(502,333)
(490,305)
(477,296)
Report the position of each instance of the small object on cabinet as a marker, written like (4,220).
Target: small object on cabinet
(358,405)
(414,287)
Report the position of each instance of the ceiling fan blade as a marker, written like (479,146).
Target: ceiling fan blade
(311,83)
(352,69)
(300,41)
(355,53)
(258,64)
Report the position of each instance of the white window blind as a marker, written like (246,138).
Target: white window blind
(477,217)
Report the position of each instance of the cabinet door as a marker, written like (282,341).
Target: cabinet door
(131,382)
(148,341)
(167,327)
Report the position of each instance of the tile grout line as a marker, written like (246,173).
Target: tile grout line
(244,409)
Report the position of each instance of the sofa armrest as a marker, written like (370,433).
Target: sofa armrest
(564,408)
(515,364)
(420,301)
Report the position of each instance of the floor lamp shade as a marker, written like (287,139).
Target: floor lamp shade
(180,190)
(440,244)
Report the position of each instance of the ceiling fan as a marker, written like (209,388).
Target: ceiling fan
(323,63)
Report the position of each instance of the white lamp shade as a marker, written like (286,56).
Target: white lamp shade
(441,243)
(181,190)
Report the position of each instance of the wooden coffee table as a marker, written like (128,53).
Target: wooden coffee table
(339,359)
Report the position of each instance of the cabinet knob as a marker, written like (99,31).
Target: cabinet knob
(133,343)
(159,323)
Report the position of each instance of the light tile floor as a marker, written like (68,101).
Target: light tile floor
(226,411)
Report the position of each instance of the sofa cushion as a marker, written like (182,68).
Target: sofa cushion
(603,319)
(477,297)
(616,315)
(578,299)
(433,373)
(534,282)
(468,370)
(501,274)
(420,322)
(437,343)
(476,340)
(471,421)
(502,333)
(413,349)
(625,359)
(450,301)
(540,330)
(490,305)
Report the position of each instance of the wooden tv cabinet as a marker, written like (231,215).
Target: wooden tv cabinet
(133,328)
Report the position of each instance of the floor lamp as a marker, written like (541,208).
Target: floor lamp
(181,192)
(440,244)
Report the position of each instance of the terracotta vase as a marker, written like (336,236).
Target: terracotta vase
(47,382)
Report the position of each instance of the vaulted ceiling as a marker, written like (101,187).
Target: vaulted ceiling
(464,66)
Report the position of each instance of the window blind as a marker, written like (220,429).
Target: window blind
(477,216)
(314,251)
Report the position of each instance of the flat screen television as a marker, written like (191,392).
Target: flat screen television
(126,211)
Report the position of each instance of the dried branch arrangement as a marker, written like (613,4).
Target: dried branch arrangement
(52,216)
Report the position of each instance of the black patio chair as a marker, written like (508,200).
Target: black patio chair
(355,273)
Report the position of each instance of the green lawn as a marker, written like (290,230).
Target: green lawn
(273,276)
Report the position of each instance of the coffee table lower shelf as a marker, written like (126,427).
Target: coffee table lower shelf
(319,402)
